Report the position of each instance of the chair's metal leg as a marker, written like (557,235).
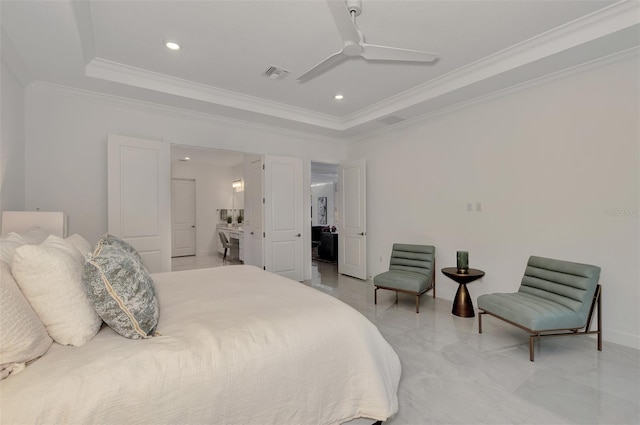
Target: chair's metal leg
(599,318)
(480,313)
(375,296)
(531,339)
(396,297)
(417,303)
(596,303)
(433,277)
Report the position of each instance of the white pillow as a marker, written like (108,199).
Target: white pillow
(13,240)
(8,245)
(34,236)
(23,337)
(79,243)
(50,276)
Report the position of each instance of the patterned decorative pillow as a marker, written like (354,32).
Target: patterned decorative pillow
(122,290)
(111,240)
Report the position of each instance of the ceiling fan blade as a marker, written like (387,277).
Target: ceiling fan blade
(323,66)
(385,53)
(342,18)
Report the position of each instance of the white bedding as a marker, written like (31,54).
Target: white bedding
(238,346)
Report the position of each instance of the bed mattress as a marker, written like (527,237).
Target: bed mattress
(236,345)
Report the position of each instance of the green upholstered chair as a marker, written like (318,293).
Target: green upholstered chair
(411,270)
(555,298)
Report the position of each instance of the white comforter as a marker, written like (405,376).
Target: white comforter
(238,346)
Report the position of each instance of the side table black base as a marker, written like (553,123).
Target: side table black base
(462,304)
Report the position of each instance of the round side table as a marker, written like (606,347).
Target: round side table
(462,304)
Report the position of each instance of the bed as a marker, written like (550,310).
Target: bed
(233,345)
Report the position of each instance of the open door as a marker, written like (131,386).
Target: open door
(253,224)
(139,197)
(283,215)
(352,242)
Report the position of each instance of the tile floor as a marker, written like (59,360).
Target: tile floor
(453,375)
(199,262)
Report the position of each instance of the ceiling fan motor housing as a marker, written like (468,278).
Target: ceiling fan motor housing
(354,6)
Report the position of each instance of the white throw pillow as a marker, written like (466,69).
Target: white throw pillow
(23,337)
(79,243)
(13,240)
(50,276)
(8,245)
(34,236)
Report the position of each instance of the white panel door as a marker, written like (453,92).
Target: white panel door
(139,197)
(283,216)
(253,224)
(183,217)
(352,242)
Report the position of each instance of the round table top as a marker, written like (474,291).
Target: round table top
(469,276)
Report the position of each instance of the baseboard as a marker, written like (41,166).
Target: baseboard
(206,253)
(622,338)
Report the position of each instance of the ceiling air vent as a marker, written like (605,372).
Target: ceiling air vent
(391,119)
(275,73)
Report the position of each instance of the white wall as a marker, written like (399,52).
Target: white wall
(66,147)
(556,169)
(12,152)
(213,192)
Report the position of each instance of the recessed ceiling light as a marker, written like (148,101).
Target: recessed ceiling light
(172,45)
(338,97)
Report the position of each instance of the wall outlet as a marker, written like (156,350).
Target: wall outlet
(478,206)
(469,206)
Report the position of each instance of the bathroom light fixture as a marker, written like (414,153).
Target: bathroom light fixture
(238,186)
(338,97)
(172,45)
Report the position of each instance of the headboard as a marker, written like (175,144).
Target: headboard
(23,221)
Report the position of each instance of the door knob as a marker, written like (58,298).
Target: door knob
(251,233)
(298,235)
(362,233)
(193,227)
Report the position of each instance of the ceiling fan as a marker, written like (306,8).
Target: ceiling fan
(344,13)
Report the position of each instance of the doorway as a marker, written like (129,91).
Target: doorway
(183,217)
(323,214)
(212,173)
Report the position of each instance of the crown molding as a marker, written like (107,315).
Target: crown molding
(144,106)
(124,74)
(629,54)
(598,24)
(606,21)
